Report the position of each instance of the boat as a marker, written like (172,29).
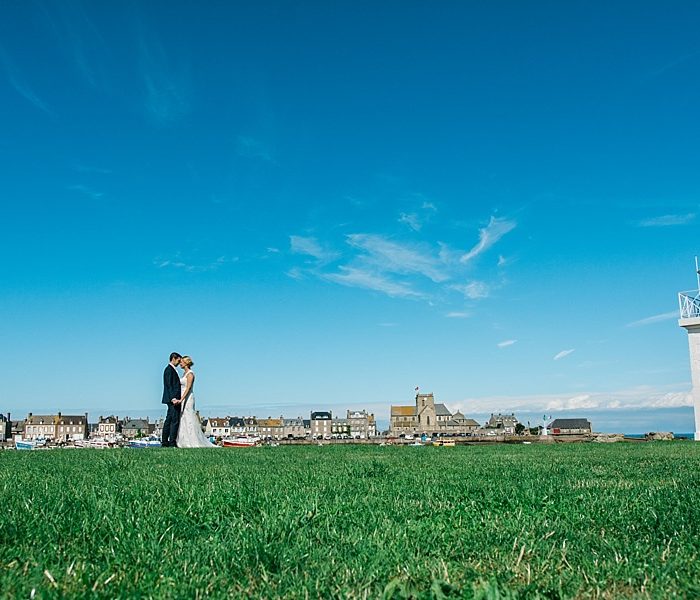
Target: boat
(99,443)
(240,442)
(145,443)
(445,444)
(25,444)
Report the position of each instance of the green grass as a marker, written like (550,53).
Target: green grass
(505,521)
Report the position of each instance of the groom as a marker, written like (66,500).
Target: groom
(171,397)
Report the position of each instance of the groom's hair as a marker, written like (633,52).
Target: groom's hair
(174,355)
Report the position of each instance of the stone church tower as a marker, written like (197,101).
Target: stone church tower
(425,410)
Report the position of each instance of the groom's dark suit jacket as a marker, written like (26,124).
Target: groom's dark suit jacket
(171,384)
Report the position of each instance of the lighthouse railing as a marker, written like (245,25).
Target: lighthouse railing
(689,303)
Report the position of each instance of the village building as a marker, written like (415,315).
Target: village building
(321,424)
(340,428)
(108,427)
(293,428)
(217,427)
(463,424)
(505,424)
(136,428)
(18,429)
(243,426)
(56,427)
(570,427)
(271,428)
(71,427)
(361,424)
(40,427)
(429,418)
(5,427)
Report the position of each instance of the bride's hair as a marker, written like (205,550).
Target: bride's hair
(187,361)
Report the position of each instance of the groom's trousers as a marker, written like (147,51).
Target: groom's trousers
(171,425)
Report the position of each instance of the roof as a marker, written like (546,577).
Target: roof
(219,422)
(135,424)
(470,422)
(270,422)
(41,419)
(458,416)
(320,416)
(570,424)
(403,411)
(72,420)
(442,411)
(110,419)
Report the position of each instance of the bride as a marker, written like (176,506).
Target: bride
(189,434)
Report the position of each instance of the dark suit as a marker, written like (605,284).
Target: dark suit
(171,389)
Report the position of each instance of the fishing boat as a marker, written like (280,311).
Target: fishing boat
(25,444)
(240,442)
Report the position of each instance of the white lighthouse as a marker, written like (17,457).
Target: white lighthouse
(689,303)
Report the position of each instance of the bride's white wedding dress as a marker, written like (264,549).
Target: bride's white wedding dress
(189,434)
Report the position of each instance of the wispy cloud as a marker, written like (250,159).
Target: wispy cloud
(20,85)
(249,147)
(410,269)
(86,191)
(167,88)
(397,258)
(672,64)
(310,246)
(177,263)
(458,315)
(506,343)
(81,168)
(475,290)
(357,277)
(655,319)
(412,220)
(564,354)
(488,236)
(667,220)
(636,397)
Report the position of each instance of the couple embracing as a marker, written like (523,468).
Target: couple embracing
(182,427)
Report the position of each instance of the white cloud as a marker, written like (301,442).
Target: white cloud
(488,236)
(356,277)
(397,258)
(412,220)
(667,220)
(311,247)
(655,319)
(506,343)
(564,353)
(458,315)
(178,263)
(83,189)
(638,397)
(476,290)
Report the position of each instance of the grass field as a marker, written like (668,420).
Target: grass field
(505,521)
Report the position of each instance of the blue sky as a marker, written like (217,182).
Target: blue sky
(329,205)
